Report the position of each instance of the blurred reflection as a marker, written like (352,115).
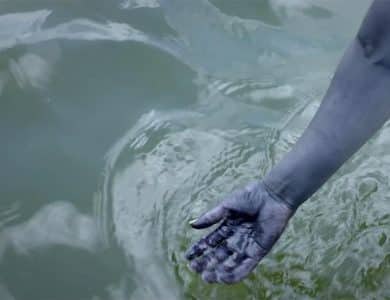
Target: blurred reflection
(293,7)
(250,48)
(57,223)
(27,28)
(30,70)
(139,3)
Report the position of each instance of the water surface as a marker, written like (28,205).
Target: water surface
(121,120)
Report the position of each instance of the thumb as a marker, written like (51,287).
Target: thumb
(211,217)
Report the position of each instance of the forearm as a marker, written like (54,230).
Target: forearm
(355,106)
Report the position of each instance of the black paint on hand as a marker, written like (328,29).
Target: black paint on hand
(252,221)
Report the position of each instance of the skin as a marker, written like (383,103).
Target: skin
(355,106)
(252,222)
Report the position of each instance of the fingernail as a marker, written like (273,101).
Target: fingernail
(193,221)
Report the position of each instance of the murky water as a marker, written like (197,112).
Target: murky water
(121,120)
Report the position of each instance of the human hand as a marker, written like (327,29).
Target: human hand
(252,221)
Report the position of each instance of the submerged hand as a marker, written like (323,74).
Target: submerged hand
(252,222)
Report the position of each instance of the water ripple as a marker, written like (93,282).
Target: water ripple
(172,166)
(28,28)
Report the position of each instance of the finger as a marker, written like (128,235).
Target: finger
(198,264)
(209,276)
(210,261)
(209,218)
(232,262)
(204,263)
(221,253)
(197,249)
(239,273)
(239,265)
(219,235)
(214,238)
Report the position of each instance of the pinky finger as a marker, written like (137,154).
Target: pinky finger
(239,273)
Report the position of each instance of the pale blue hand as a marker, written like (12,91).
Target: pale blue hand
(252,221)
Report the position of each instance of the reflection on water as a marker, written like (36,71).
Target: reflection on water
(55,224)
(139,3)
(27,28)
(152,111)
(171,167)
(30,69)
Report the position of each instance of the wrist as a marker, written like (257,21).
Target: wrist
(293,206)
(304,169)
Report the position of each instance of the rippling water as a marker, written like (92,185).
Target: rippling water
(120,120)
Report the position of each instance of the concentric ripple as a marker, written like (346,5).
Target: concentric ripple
(172,166)
(160,174)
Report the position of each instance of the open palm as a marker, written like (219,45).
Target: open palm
(252,221)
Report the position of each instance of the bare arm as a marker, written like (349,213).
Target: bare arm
(355,106)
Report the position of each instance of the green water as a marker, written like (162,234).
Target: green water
(120,120)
